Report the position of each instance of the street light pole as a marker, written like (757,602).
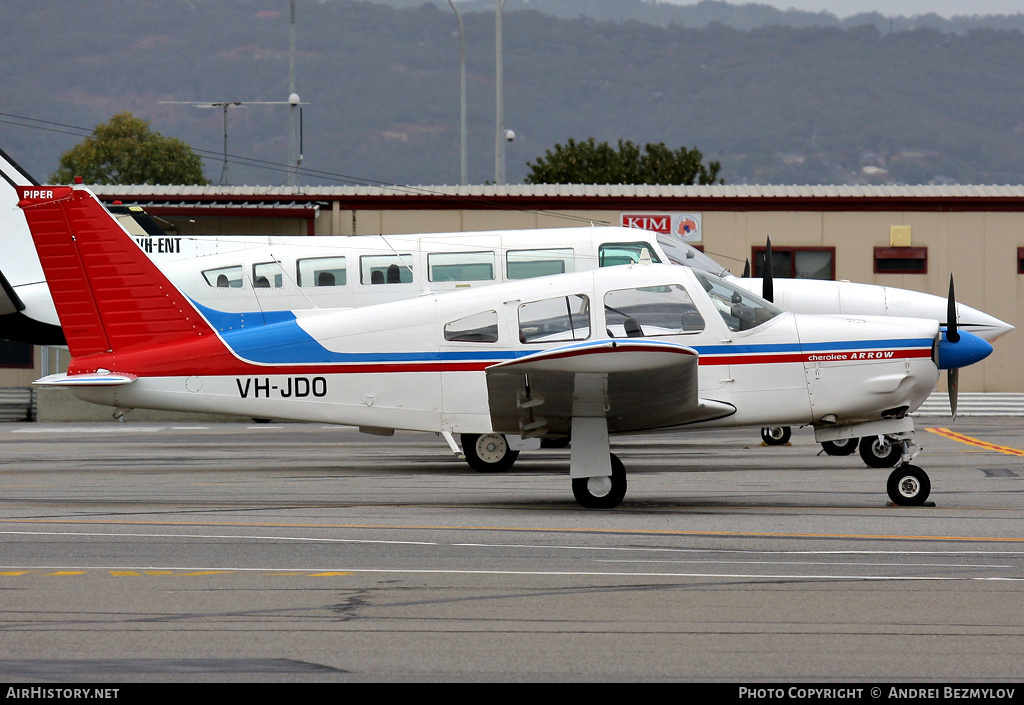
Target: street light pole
(293,100)
(463,175)
(499,129)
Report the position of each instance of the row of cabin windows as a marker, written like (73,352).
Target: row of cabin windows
(787,262)
(629,313)
(441,267)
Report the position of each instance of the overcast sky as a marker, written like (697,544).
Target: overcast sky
(845,8)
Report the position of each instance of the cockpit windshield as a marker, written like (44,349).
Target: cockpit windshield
(740,309)
(686,255)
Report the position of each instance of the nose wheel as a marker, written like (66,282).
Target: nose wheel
(908,486)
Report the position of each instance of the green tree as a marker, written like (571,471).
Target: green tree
(125,151)
(591,163)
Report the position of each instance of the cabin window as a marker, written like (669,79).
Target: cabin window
(563,318)
(385,269)
(614,253)
(526,264)
(798,262)
(901,260)
(460,266)
(740,309)
(267,275)
(478,328)
(651,311)
(322,271)
(224,277)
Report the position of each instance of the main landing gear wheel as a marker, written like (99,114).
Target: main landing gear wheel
(488,452)
(844,446)
(908,486)
(880,451)
(776,435)
(601,492)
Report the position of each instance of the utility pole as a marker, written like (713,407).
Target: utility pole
(463,170)
(499,100)
(293,102)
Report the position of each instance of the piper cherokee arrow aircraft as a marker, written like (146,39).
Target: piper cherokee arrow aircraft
(625,349)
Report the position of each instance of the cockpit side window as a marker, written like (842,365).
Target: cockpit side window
(610,254)
(687,255)
(740,309)
(559,319)
(651,311)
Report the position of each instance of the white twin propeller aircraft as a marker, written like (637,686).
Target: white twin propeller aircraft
(624,349)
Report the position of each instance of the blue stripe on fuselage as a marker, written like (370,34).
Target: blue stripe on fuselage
(275,337)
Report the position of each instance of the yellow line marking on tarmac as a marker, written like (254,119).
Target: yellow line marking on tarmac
(67,572)
(954,436)
(521,529)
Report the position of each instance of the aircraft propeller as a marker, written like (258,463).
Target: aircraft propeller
(958,349)
(767,285)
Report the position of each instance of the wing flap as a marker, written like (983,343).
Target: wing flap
(636,385)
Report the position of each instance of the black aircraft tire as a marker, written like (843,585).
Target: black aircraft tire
(776,435)
(908,486)
(582,488)
(844,446)
(488,452)
(880,454)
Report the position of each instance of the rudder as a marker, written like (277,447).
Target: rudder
(109,295)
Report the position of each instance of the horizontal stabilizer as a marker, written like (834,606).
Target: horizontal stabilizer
(97,379)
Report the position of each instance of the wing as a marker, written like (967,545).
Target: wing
(636,385)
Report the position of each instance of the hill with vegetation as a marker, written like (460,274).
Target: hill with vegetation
(803,102)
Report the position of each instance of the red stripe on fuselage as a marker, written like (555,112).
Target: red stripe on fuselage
(208,357)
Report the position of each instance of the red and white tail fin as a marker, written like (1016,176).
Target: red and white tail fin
(109,295)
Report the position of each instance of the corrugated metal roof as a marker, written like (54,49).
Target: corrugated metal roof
(641,191)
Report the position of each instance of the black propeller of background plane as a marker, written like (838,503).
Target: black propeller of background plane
(768,285)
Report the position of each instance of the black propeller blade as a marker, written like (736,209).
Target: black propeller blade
(746,269)
(768,286)
(952,334)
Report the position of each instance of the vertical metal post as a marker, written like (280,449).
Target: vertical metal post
(463,170)
(499,100)
(293,162)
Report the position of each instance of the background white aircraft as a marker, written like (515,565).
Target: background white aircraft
(618,350)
